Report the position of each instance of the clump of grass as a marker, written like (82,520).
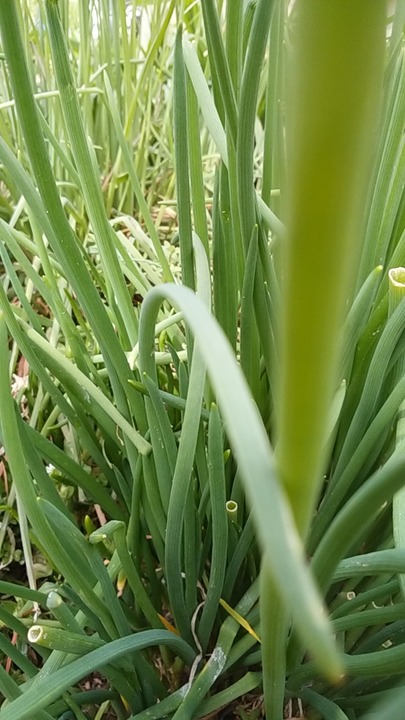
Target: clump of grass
(167,365)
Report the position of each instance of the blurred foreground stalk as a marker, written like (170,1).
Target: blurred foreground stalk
(334,79)
(335,62)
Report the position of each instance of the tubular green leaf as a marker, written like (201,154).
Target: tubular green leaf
(334,80)
(251,447)
(25,707)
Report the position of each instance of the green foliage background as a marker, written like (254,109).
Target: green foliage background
(202,250)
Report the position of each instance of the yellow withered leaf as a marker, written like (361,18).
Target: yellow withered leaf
(241,620)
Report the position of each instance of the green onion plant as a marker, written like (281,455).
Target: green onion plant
(202,251)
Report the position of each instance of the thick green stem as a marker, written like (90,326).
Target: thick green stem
(334,79)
